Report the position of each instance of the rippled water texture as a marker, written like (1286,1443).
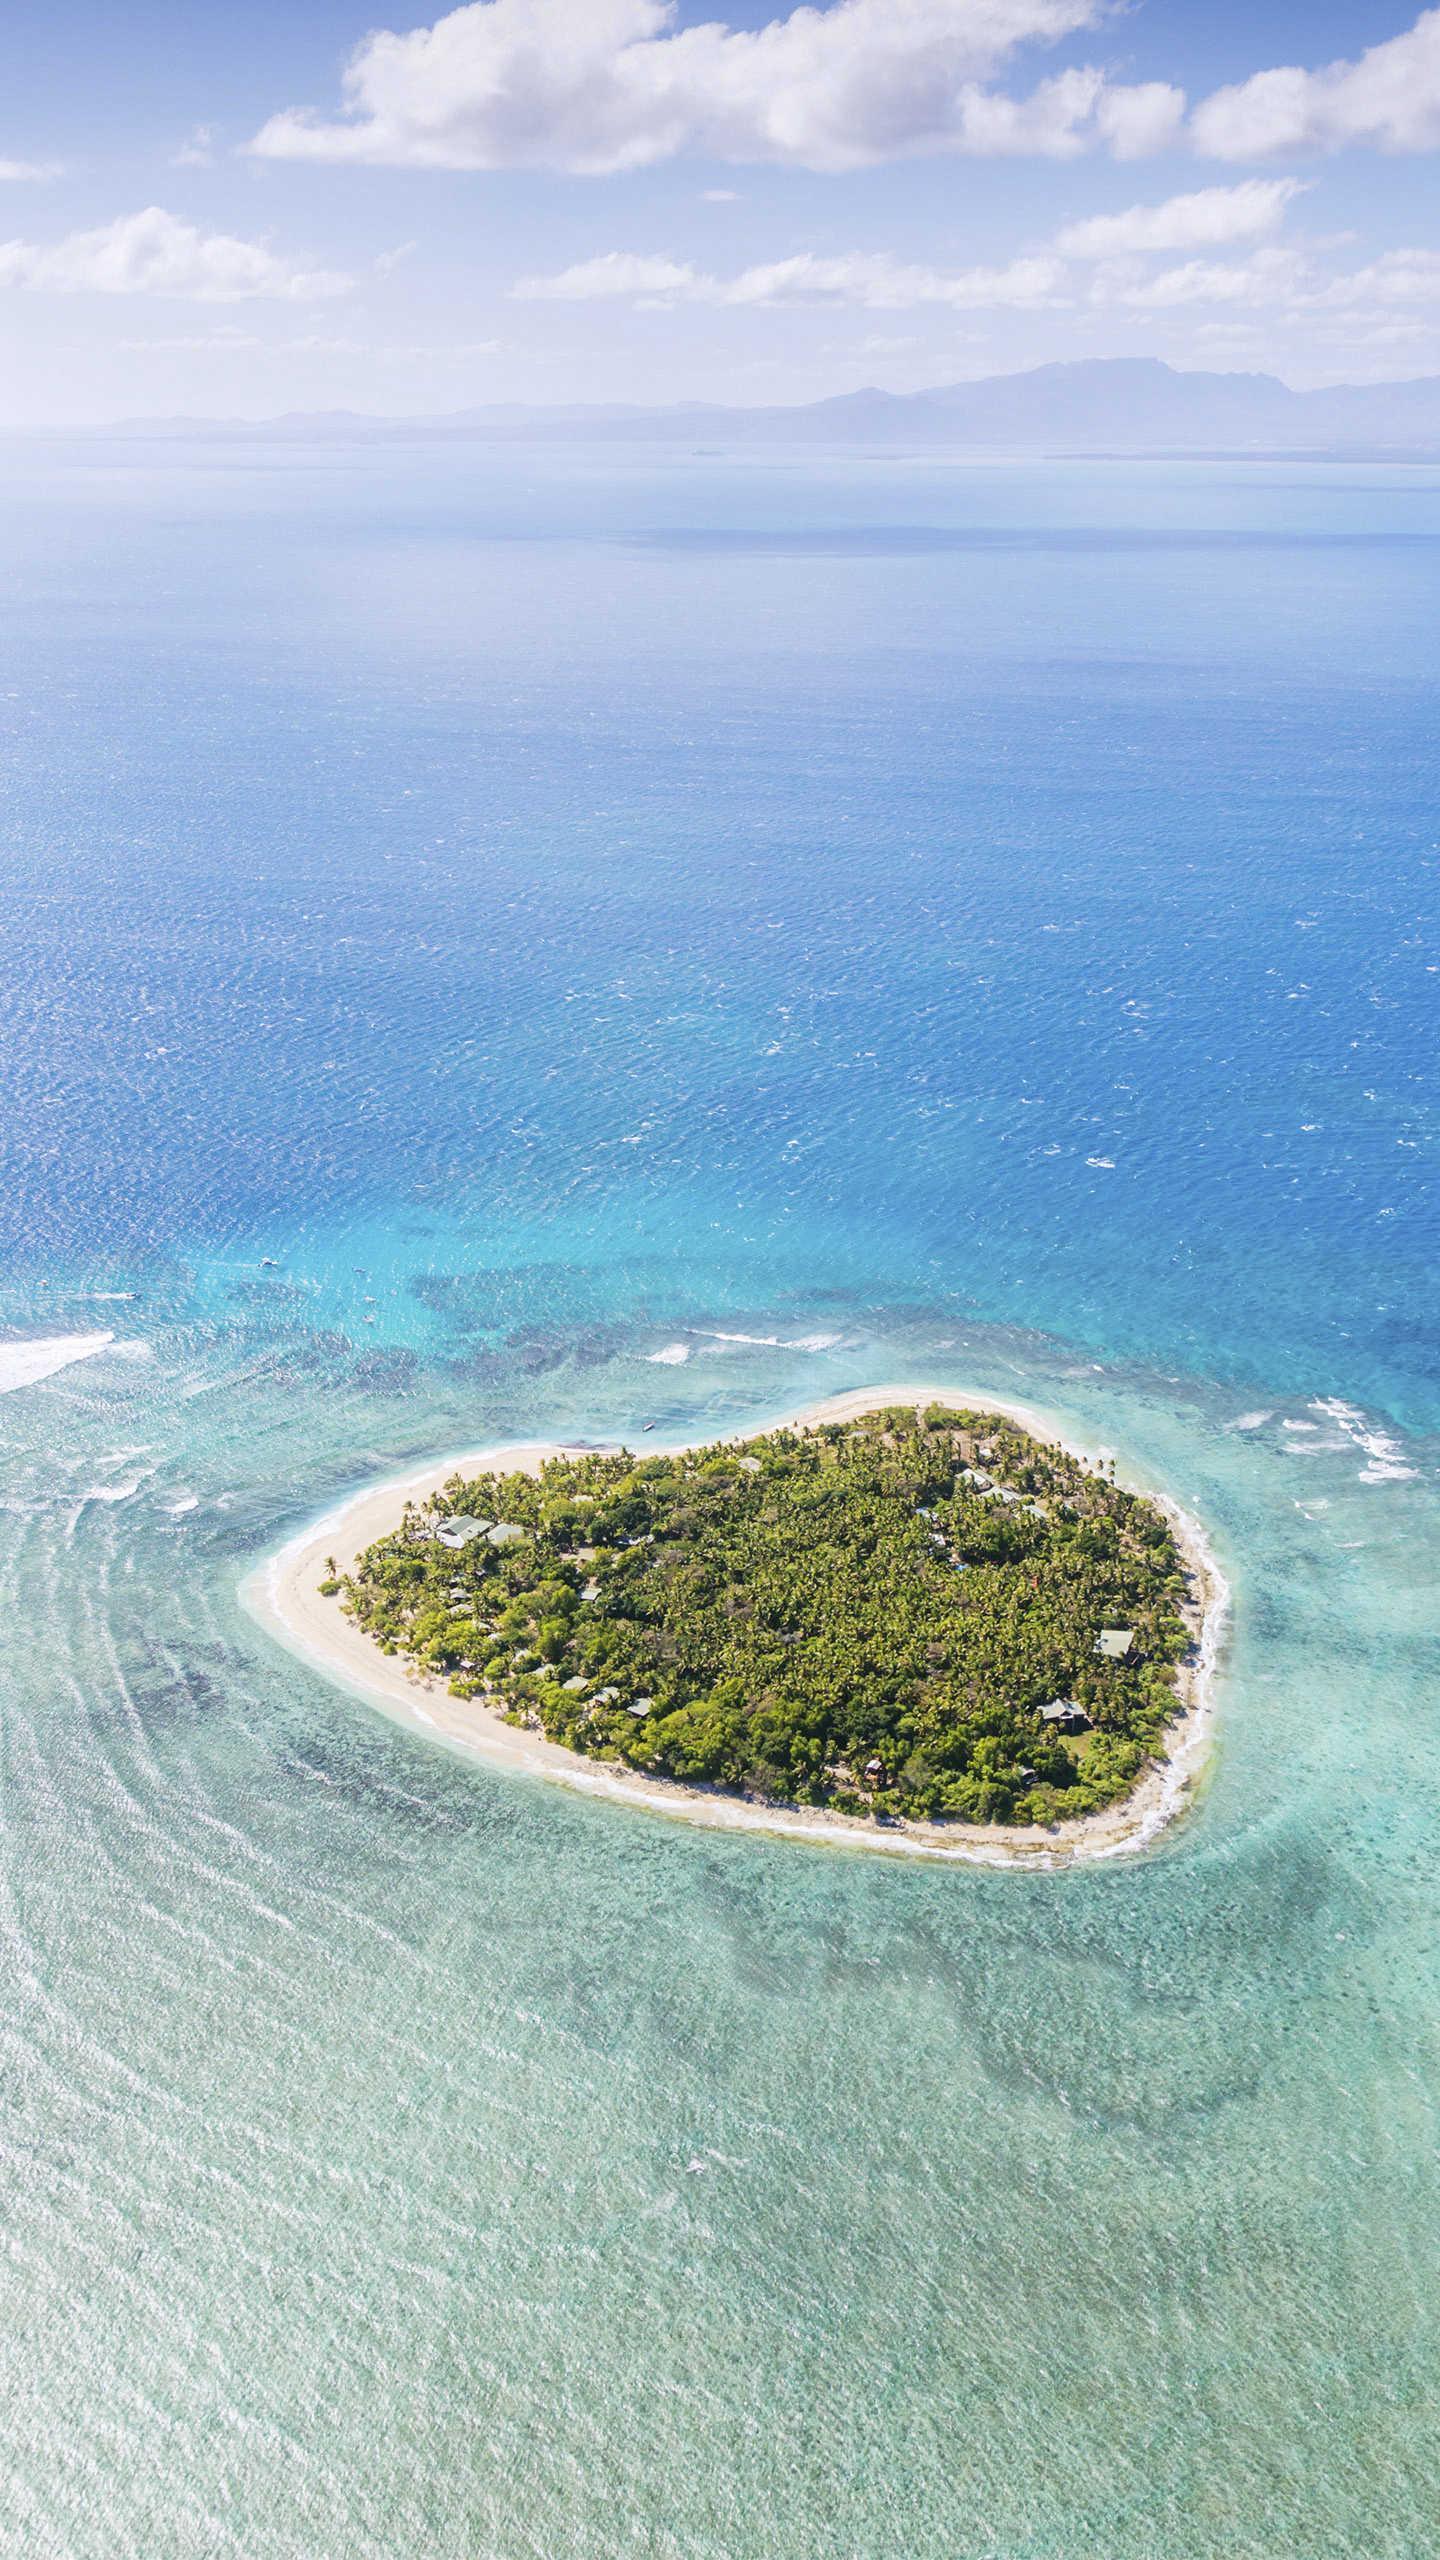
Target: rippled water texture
(496,946)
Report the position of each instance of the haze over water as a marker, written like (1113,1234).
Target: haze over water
(496,946)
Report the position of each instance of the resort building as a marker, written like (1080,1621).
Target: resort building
(457,1532)
(1066,1715)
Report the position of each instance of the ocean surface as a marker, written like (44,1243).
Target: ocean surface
(498,945)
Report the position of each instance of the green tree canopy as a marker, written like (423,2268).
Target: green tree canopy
(870,1615)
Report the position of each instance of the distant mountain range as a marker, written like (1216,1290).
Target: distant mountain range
(1114,405)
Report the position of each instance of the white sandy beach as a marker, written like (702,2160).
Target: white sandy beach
(284,1596)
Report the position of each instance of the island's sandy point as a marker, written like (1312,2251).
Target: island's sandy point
(284,1596)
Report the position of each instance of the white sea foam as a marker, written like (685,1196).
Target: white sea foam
(672,1357)
(183,1502)
(24,1364)
(1249,1421)
(777,1342)
(1387,1464)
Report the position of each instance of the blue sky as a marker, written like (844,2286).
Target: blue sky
(244,210)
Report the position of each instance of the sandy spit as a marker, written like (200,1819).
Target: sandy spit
(283,1596)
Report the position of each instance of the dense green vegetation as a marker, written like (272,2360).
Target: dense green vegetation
(869,1616)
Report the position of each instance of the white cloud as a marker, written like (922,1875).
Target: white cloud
(451,353)
(245,342)
(881,283)
(595,86)
(1389,98)
(210,342)
(197,151)
(1270,276)
(154,252)
(1400,276)
(1133,123)
(1275,279)
(1210,219)
(620,275)
(1283,284)
(871,280)
(21,173)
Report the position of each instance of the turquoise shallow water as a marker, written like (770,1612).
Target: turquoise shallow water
(560,919)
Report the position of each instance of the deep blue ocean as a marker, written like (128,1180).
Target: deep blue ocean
(496,943)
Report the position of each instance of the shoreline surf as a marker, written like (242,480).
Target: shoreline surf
(283,1596)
